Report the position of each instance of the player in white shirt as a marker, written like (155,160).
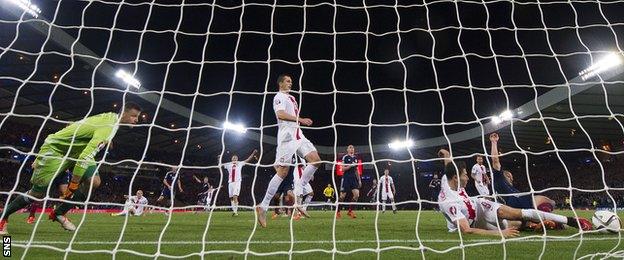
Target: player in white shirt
(480,177)
(472,215)
(134,205)
(290,141)
(386,187)
(234,169)
(304,194)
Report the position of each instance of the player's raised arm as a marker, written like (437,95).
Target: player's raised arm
(496,165)
(251,156)
(443,153)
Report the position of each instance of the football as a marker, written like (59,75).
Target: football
(606,221)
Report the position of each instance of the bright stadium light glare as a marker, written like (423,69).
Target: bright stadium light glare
(397,144)
(27,6)
(610,61)
(506,115)
(496,120)
(128,79)
(235,127)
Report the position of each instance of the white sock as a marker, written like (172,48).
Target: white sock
(383,207)
(306,202)
(121,213)
(535,215)
(308,173)
(393,205)
(273,185)
(234,206)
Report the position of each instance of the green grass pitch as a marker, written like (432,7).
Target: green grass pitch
(397,238)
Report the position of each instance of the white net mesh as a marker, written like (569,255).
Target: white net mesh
(366,72)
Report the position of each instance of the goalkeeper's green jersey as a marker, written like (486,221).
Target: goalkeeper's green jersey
(83,139)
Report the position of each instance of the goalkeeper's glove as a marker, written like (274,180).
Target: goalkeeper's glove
(71,188)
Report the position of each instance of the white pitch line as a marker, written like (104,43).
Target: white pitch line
(228,242)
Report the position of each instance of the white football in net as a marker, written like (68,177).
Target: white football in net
(606,221)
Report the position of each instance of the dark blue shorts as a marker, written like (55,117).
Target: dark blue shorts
(348,183)
(287,184)
(166,192)
(520,202)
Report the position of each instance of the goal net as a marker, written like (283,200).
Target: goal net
(399,80)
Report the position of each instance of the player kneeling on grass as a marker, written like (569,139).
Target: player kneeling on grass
(74,146)
(134,205)
(472,215)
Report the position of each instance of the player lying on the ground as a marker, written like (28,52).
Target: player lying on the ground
(61,181)
(502,185)
(473,215)
(234,169)
(351,181)
(74,146)
(290,140)
(386,186)
(134,205)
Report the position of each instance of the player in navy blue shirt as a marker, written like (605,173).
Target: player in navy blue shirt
(503,185)
(204,197)
(172,178)
(351,181)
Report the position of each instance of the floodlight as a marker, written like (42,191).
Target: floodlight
(398,144)
(27,6)
(506,115)
(128,79)
(235,127)
(610,61)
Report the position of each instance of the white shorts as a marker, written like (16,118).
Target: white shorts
(234,188)
(134,211)
(137,212)
(303,190)
(286,149)
(482,188)
(487,215)
(386,196)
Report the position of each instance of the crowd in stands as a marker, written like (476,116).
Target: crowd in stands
(544,177)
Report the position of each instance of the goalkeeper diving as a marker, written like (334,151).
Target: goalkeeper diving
(74,146)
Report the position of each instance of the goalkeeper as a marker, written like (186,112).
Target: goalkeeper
(74,146)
